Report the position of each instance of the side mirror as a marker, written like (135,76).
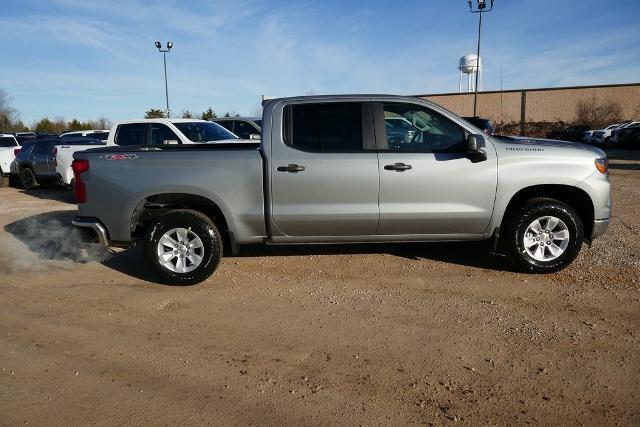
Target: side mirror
(171,142)
(254,137)
(476,148)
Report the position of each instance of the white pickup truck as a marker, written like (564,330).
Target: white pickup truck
(8,145)
(64,155)
(167,132)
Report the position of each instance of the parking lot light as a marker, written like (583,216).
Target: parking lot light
(164,57)
(480,8)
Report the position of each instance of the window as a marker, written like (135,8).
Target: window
(326,128)
(416,128)
(258,122)
(160,134)
(72,135)
(7,141)
(245,129)
(204,131)
(131,134)
(99,135)
(227,124)
(44,147)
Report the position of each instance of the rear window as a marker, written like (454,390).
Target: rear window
(131,134)
(326,128)
(7,141)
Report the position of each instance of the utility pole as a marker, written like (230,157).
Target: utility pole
(166,86)
(480,8)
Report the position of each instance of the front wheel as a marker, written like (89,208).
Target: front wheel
(543,236)
(182,247)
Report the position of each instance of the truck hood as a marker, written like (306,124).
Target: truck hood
(525,142)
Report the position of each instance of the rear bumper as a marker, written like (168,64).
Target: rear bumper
(93,224)
(599,227)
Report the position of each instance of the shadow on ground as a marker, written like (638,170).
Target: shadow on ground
(625,166)
(47,191)
(52,237)
(623,154)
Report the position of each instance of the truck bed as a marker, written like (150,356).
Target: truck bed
(228,174)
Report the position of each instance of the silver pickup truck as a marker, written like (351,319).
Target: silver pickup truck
(343,169)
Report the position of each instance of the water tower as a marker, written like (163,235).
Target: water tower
(470,64)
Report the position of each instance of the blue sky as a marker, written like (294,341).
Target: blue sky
(86,58)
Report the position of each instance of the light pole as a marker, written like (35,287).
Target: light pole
(164,57)
(481,8)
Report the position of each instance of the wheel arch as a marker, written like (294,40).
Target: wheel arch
(151,207)
(575,197)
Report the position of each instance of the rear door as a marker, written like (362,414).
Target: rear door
(43,158)
(428,184)
(324,170)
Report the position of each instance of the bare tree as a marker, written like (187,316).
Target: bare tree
(8,114)
(598,114)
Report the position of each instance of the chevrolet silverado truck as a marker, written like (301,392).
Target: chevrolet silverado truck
(327,171)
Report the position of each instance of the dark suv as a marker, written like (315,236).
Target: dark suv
(484,125)
(36,161)
(572,133)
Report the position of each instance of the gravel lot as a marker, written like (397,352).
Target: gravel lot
(384,334)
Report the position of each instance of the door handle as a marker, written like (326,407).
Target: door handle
(398,167)
(292,168)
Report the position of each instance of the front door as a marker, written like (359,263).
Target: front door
(324,170)
(428,185)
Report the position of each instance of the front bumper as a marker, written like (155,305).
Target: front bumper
(94,225)
(599,227)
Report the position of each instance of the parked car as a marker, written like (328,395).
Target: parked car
(323,174)
(613,141)
(484,125)
(587,137)
(101,135)
(602,136)
(8,146)
(167,132)
(37,161)
(572,133)
(628,137)
(243,127)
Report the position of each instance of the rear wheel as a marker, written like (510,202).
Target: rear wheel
(543,236)
(28,178)
(182,247)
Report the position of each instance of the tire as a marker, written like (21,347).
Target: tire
(538,256)
(4,180)
(179,267)
(28,178)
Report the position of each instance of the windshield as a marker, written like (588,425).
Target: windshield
(204,131)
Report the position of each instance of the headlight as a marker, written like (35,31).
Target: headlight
(602,165)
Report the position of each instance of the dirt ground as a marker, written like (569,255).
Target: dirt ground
(360,335)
